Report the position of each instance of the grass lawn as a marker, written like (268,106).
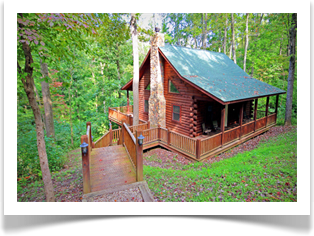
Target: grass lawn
(267,173)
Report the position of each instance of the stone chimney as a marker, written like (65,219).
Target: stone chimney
(157,102)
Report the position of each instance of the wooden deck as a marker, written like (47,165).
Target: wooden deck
(110,167)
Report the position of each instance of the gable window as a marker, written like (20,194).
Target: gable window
(176,113)
(172,88)
(148,87)
(146,106)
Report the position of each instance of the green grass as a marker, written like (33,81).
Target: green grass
(267,173)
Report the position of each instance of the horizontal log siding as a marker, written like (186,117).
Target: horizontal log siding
(183,99)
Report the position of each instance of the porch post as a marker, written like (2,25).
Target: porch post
(128,102)
(255,113)
(85,165)
(241,119)
(276,108)
(222,123)
(266,113)
(110,134)
(198,149)
(139,157)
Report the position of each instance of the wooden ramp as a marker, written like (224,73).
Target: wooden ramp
(110,167)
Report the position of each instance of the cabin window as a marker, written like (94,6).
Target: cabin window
(176,113)
(148,87)
(172,88)
(146,106)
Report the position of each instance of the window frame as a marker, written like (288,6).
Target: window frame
(146,112)
(169,87)
(172,116)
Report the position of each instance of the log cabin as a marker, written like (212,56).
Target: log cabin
(201,97)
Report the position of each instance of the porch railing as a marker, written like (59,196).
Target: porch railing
(198,148)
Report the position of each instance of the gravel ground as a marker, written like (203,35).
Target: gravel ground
(130,195)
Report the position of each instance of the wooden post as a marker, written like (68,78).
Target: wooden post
(168,137)
(222,124)
(159,133)
(241,119)
(148,124)
(139,158)
(122,134)
(90,132)
(198,149)
(255,113)
(276,108)
(85,167)
(128,102)
(266,113)
(110,134)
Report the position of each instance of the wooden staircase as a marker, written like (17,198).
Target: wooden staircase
(110,167)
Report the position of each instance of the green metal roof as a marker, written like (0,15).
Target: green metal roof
(216,73)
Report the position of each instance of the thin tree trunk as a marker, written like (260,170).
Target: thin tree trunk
(47,101)
(291,70)
(230,51)
(246,41)
(28,83)
(133,27)
(70,100)
(39,104)
(204,29)
(118,69)
(225,35)
(233,40)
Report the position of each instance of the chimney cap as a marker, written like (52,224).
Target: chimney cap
(157,29)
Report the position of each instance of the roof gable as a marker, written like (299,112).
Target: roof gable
(216,73)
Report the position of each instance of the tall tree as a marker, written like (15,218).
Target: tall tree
(246,40)
(291,69)
(204,33)
(133,27)
(225,35)
(50,130)
(28,82)
(233,39)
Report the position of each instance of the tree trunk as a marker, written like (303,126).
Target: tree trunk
(204,29)
(28,83)
(225,36)
(39,104)
(291,70)
(136,75)
(246,41)
(47,101)
(233,40)
(230,51)
(70,107)
(118,70)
